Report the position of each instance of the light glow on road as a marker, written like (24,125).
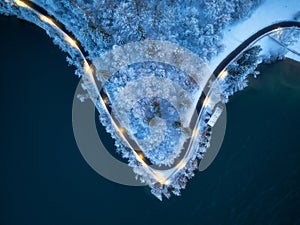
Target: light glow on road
(46,20)
(71,41)
(21,4)
(142,157)
(181,165)
(165,182)
(195,133)
(87,69)
(206,102)
(223,74)
(122,130)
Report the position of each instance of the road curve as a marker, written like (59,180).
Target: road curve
(253,38)
(242,47)
(225,62)
(228,60)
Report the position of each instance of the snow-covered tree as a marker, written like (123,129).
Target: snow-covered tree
(239,71)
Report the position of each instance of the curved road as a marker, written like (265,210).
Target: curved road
(242,47)
(200,106)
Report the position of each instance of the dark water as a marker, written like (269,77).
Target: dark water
(255,178)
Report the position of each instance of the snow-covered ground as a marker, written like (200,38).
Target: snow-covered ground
(272,50)
(269,12)
(295,47)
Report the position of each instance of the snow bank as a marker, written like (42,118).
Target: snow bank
(269,12)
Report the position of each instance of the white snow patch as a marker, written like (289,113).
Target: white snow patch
(295,47)
(293,56)
(268,13)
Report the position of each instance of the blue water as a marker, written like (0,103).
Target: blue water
(255,178)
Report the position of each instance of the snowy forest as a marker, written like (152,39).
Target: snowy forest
(238,72)
(100,26)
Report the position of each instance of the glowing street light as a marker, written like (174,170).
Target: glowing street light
(122,130)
